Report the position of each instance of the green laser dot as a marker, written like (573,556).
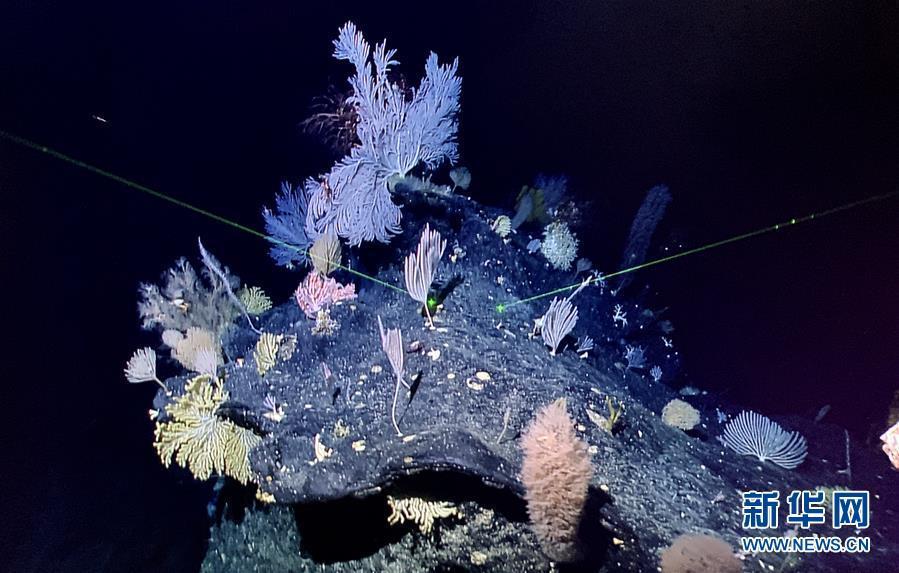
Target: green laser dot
(500,308)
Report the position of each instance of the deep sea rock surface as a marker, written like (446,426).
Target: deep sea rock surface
(477,378)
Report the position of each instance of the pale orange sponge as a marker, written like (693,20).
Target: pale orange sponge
(556,473)
(699,553)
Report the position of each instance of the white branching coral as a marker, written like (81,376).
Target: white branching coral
(635,356)
(398,130)
(184,301)
(559,245)
(195,437)
(618,315)
(421,512)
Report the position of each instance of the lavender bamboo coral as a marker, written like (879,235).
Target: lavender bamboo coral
(398,132)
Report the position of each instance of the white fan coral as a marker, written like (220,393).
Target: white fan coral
(421,267)
(751,434)
(141,367)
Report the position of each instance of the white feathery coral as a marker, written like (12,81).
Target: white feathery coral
(207,361)
(751,434)
(141,367)
(558,321)
(421,267)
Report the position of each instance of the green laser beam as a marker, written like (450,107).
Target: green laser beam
(500,307)
(707,247)
(159,195)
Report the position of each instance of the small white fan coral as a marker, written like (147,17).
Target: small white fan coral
(141,367)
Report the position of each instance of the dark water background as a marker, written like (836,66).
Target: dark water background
(752,113)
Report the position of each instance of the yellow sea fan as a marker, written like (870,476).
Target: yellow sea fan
(195,438)
(255,300)
(266,352)
(325,254)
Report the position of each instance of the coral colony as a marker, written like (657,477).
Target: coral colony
(438,364)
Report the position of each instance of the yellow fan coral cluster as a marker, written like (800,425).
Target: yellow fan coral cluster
(197,439)
(419,511)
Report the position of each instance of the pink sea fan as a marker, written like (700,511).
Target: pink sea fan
(317,293)
(556,472)
(890,441)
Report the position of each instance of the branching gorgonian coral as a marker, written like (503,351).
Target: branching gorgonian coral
(286,225)
(185,301)
(398,132)
(317,293)
(421,267)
